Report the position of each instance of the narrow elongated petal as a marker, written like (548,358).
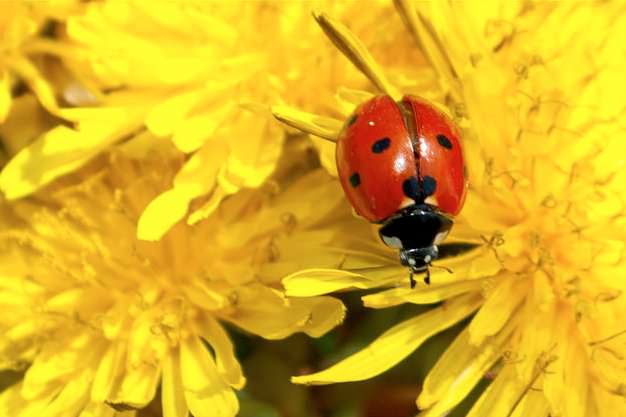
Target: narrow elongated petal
(166,116)
(172,393)
(268,313)
(394,345)
(5,95)
(191,135)
(324,127)
(428,294)
(205,391)
(497,309)
(62,150)
(31,75)
(139,385)
(73,397)
(356,52)
(110,367)
(311,282)
(429,42)
(197,177)
(227,363)
(502,396)
(458,370)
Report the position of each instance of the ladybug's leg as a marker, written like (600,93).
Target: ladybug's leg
(411,280)
(427,277)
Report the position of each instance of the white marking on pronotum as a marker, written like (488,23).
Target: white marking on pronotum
(392,242)
(440,237)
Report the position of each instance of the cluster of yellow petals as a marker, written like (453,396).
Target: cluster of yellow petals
(101,318)
(535,89)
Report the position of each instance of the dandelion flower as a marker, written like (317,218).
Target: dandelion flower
(197,74)
(100,319)
(535,87)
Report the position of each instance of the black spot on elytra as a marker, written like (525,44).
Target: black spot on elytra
(355,179)
(352,119)
(429,185)
(444,141)
(410,186)
(380,145)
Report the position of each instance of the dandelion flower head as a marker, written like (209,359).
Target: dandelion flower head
(99,319)
(534,87)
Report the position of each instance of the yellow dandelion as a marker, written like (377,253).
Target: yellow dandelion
(185,72)
(536,89)
(99,320)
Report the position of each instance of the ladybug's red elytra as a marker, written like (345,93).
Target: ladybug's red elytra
(401,165)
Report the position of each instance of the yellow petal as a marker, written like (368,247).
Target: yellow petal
(497,309)
(55,362)
(206,393)
(31,76)
(61,150)
(162,213)
(26,121)
(310,282)
(191,134)
(110,367)
(426,294)
(227,364)
(207,208)
(139,384)
(166,116)
(326,150)
(567,387)
(502,396)
(172,394)
(270,314)
(429,42)
(458,370)
(73,396)
(196,178)
(5,96)
(395,344)
(317,315)
(357,53)
(321,126)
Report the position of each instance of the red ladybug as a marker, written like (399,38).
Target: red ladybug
(401,165)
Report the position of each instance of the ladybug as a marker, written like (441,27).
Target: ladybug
(401,165)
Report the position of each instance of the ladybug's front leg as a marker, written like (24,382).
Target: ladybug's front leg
(411,280)
(427,276)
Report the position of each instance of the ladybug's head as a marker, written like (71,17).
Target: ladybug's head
(416,231)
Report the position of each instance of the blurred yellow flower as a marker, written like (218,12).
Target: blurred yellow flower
(537,90)
(100,319)
(196,73)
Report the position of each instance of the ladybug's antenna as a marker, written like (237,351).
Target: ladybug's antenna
(445,268)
